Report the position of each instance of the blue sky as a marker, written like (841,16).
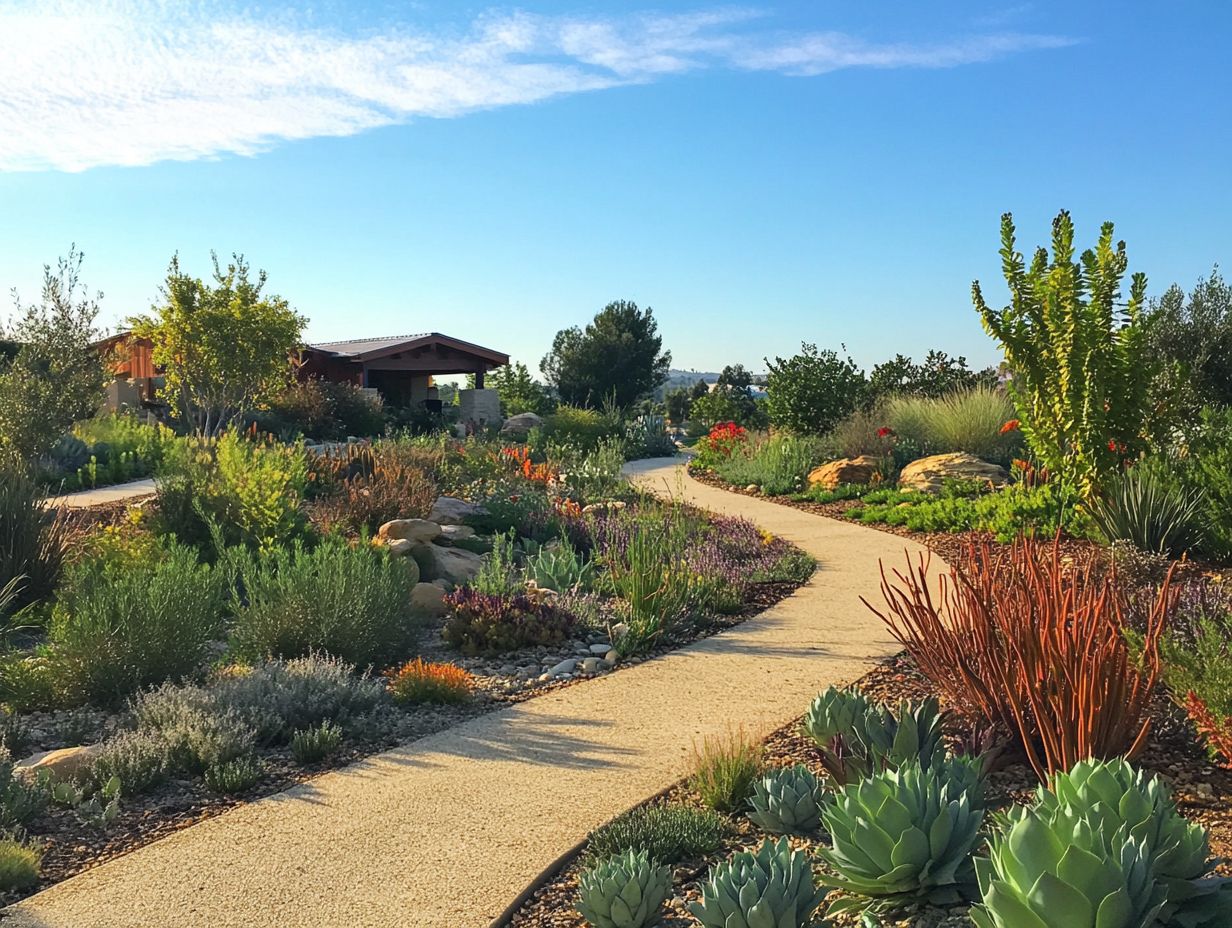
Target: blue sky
(760,175)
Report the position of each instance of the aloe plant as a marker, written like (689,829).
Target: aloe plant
(902,835)
(857,737)
(773,886)
(624,891)
(787,801)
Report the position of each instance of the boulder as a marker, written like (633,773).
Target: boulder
(428,599)
(409,530)
(448,510)
(453,533)
(400,547)
(928,475)
(860,470)
(612,505)
(453,566)
(519,426)
(62,764)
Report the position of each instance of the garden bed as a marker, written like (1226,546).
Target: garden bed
(1203,792)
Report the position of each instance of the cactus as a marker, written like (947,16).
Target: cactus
(625,891)
(787,801)
(773,886)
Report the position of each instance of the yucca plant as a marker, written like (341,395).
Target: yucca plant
(625,891)
(857,737)
(1141,507)
(902,835)
(773,886)
(787,801)
(1116,796)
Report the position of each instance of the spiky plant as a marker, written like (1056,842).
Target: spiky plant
(625,891)
(787,800)
(772,886)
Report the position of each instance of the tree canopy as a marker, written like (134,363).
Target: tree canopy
(813,391)
(225,346)
(519,391)
(1191,336)
(617,358)
(51,377)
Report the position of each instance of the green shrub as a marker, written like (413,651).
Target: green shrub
(498,574)
(351,602)
(1007,513)
(118,627)
(813,391)
(582,427)
(772,886)
(198,732)
(900,836)
(313,745)
(480,623)
(251,490)
(778,464)
(278,697)
(590,474)
(33,538)
(323,410)
(1205,468)
(138,759)
(969,421)
(1144,507)
(19,865)
(1197,664)
(233,777)
(841,493)
(724,770)
(20,801)
(668,832)
(1082,375)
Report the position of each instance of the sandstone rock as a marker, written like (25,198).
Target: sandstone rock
(519,426)
(614,505)
(428,599)
(927,475)
(454,566)
(860,470)
(409,530)
(448,510)
(400,547)
(62,764)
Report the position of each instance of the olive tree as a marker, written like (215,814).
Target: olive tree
(225,346)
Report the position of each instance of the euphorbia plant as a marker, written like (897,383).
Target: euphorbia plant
(1080,362)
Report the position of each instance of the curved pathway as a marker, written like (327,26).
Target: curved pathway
(445,831)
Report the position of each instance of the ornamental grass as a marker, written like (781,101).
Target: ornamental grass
(1034,642)
(421,681)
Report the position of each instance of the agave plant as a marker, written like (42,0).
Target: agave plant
(1116,795)
(903,834)
(771,887)
(1064,867)
(625,891)
(858,738)
(787,801)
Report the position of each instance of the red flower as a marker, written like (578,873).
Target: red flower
(1011,426)
(884,431)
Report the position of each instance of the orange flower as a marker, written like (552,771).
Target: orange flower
(424,681)
(1011,426)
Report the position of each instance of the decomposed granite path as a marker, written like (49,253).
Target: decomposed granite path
(118,492)
(444,832)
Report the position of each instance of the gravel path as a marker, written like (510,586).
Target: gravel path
(445,831)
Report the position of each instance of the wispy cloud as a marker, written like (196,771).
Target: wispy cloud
(131,82)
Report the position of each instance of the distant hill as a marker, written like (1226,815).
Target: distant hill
(678,378)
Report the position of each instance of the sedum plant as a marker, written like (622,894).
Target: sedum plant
(1118,796)
(625,891)
(773,886)
(668,832)
(787,801)
(903,834)
(857,737)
